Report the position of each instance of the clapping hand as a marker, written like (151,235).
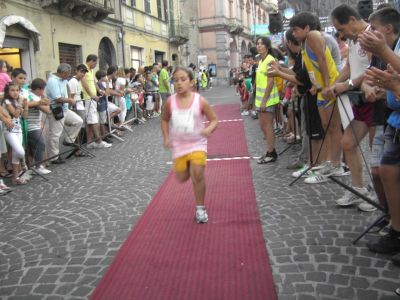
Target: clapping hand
(388,79)
(372,41)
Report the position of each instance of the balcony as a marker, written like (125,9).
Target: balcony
(178,32)
(235,27)
(91,10)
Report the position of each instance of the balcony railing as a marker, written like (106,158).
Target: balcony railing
(178,32)
(94,10)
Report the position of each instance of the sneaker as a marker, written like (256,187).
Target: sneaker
(346,170)
(317,167)
(201,216)
(329,170)
(385,231)
(261,159)
(244,113)
(385,245)
(26,177)
(349,198)
(365,206)
(41,170)
(314,179)
(92,145)
(302,170)
(268,158)
(108,140)
(143,119)
(102,145)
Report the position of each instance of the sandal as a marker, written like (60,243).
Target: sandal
(19,181)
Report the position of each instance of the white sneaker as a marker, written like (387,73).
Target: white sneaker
(143,119)
(349,198)
(330,170)
(41,170)
(301,171)
(26,176)
(201,216)
(103,144)
(92,145)
(315,178)
(365,206)
(244,113)
(317,167)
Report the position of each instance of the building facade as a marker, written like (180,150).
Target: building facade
(225,32)
(39,34)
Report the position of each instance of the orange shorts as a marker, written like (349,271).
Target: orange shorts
(198,158)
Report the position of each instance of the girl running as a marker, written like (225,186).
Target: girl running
(184,132)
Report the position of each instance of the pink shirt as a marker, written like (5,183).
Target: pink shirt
(186,126)
(4,79)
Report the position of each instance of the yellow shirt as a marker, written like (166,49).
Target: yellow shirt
(90,80)
(314,72)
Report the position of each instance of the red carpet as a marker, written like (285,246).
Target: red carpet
(169,256)
(228,140)
(227,111)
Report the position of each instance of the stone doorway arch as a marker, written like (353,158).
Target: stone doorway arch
(107,54)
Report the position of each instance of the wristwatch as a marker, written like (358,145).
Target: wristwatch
(351,84)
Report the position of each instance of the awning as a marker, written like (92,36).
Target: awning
(12,20)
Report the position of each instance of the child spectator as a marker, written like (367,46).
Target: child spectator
(244,96)
(149,90)
(37,104)
(4,77)
(17,107)
(104,106)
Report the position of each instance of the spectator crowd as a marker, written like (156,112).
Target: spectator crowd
(330,92)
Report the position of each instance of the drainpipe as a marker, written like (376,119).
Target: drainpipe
(122,34)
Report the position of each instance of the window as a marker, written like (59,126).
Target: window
(160,10)
(70,54)
(133,3)
(147,6)
(158,56)
(136,57)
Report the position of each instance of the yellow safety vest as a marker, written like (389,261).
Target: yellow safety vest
(262,82)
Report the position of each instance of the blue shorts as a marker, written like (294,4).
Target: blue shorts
(377,147)
(391,149)
(270,109)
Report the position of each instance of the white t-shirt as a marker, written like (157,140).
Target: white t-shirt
(358,59)
(75,88)
(34,114)
(120,82)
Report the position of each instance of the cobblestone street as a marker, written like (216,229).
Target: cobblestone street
(58,237)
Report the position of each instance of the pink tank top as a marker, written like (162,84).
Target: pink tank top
(186,126)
